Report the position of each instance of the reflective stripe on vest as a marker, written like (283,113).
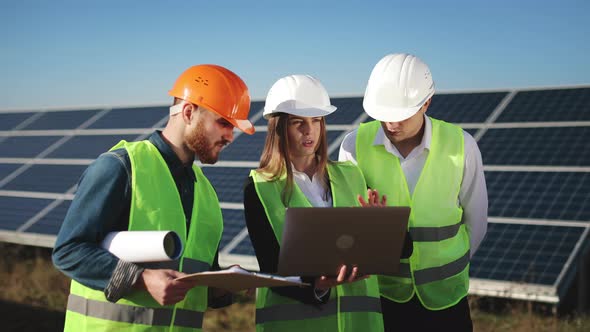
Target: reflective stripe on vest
(300,311)
(441,272)
(134,314)
(434,234)
(404,270)
(437,271)
(159,209)
(352,307)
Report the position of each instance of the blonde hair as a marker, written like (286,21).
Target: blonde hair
(275,160)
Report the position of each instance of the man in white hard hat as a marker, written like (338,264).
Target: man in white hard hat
(435,168)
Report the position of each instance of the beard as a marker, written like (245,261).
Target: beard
(202,145)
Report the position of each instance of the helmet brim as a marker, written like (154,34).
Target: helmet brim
(244,125)
(303,112)
(393,114)
(390,114)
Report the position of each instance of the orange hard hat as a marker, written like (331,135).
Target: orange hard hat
(217,89)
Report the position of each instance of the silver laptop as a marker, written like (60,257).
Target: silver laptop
(316,241)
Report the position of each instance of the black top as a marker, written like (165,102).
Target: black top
(266,247)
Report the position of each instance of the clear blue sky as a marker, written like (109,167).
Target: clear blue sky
(83,53)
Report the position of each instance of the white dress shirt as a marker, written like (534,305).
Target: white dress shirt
(473,196)
(316,195)
(312,189)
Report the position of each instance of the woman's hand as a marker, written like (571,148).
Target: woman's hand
(373,199)
(325,282)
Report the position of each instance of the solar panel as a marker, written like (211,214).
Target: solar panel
(533,254)
(15,211)
(333,135)
(255,107)
(50,223)
(233,223)
(9,121)
(244,248)
(334,154)
(137,117)
(245,148)
(61,120)
(464,108)
(6,169)
(548,105)
(539,195)
(559,146)
(47,178)
(25,146)
(88,146)
(537,174)
(348,110)
(228,182)
(335,139)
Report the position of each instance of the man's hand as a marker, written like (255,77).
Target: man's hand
(324,282)
(162,286)
(373,199)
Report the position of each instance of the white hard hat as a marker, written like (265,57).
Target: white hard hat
(300,95)
(398,87)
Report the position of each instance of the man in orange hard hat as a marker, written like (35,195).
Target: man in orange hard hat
(154,185)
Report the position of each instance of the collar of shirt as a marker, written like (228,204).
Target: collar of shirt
(176,166)
(381,139)
(311,188)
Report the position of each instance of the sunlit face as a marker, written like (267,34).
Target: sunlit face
(209,135)
(304,135)
(398,132)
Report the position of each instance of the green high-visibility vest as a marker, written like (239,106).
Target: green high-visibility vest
(156,205)
(351,307)
(438,270)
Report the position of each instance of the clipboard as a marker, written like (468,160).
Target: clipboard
(235,279)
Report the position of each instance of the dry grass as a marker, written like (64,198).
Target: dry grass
(522,320)
(237,317)
(29,278)
(32,287)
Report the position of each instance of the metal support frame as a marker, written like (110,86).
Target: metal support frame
(584,280)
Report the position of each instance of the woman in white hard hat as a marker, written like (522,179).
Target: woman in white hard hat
(295,171)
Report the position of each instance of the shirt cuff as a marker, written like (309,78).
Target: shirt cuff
(124,277)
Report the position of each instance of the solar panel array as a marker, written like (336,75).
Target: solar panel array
(534,145)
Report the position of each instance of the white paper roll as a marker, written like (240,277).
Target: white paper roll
(144,246)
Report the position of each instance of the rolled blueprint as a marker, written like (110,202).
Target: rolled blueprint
(143,246)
